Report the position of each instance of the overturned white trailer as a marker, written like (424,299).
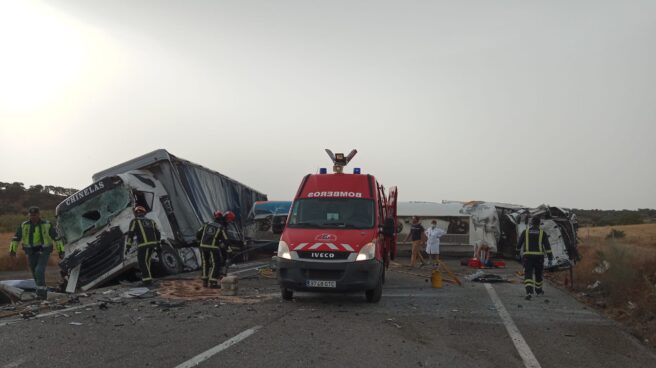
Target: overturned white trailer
(497,224)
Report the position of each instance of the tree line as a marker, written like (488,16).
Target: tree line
(15,198)
(615,217)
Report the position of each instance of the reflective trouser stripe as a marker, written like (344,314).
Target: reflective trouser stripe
(213,267)
(529,282)
(149,254)
(147,243)
(203,265)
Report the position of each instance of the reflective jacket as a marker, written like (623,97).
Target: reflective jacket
(34,235)
(534,242)
(145,230)
(212,235)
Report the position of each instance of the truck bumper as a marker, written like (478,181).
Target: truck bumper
(348,276)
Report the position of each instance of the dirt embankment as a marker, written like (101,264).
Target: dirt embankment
(617,275)
(20,262)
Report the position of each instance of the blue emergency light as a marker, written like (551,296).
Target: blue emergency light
(323,170)
(356,170)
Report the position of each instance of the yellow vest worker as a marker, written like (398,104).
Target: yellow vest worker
(38,238)
(144,231)
(534,244)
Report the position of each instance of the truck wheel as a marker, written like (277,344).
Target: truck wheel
(170,261)
(287,294)
(374,295)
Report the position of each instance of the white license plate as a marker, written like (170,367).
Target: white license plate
(321,283)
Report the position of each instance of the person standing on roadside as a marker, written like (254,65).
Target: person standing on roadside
(534,244)
(147,236)
(212,238)
(38,237)
(416,233)
(433,235)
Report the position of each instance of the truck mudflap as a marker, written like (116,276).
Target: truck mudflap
(325,276)
(100,256)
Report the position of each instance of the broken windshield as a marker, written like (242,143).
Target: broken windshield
(78,221)
(333,213)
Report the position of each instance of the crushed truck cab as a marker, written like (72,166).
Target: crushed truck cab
(339,236)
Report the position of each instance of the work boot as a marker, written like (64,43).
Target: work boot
(214,285)
(539,292)
(147,282)
(528,296)
(205,283)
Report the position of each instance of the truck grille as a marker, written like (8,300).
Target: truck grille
(324,274)
(324,256)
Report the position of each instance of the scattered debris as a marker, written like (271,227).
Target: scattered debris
(167,304)
(75,323)
(595,285)
(631,305)
(229,285)
(481,276)
(139,292)
(602,267)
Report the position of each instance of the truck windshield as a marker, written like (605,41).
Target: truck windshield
(332,213)
(83,219)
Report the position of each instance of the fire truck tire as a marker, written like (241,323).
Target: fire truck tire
(287,294)
(374,295)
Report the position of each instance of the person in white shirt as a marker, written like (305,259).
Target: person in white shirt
(433,235)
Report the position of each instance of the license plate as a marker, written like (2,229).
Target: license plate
(321,283)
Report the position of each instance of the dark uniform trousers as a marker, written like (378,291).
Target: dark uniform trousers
(144,255)
(533,266)
(212,261)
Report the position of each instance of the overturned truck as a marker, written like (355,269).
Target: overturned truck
(179,195)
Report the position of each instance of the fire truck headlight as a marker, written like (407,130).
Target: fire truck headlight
(367,252)
(283,250)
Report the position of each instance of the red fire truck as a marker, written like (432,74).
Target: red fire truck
(340,234)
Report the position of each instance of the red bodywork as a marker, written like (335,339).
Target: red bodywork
(346,240)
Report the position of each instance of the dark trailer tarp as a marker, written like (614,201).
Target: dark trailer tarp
(195,191)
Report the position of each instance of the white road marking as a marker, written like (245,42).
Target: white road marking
(520,344)
(59,311)
(249,269)
(195,361)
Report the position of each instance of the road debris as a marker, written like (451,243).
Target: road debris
(75,323)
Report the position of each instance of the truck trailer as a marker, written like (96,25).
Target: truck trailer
(340,234)
(178,194)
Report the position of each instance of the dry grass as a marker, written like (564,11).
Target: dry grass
(20,262)
(626,291)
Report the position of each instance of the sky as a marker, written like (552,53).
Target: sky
(524,102)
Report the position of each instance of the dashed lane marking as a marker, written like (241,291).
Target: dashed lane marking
(520,344)
(195,361)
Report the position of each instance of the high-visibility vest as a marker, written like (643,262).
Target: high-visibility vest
(40,237)
(527,251)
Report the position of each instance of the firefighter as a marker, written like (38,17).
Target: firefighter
(212,237)
(533,244)
(147,237)
(38,238)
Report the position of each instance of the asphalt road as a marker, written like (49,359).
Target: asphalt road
(414,325)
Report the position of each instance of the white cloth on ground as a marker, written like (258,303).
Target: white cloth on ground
(433,236)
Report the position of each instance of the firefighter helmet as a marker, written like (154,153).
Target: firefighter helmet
(218,215)
(139,210)
(229,216)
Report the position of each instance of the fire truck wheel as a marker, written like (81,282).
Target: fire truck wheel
(374,295)
(287,294)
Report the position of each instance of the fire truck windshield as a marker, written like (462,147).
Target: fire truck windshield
(332,213)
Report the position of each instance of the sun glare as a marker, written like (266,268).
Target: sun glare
(46,56)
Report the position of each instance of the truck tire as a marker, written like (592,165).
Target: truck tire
(169,261)
(287,294)
(374,295)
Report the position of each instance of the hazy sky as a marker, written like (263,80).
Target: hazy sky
(522,101)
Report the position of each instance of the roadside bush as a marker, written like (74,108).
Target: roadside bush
(615,234)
